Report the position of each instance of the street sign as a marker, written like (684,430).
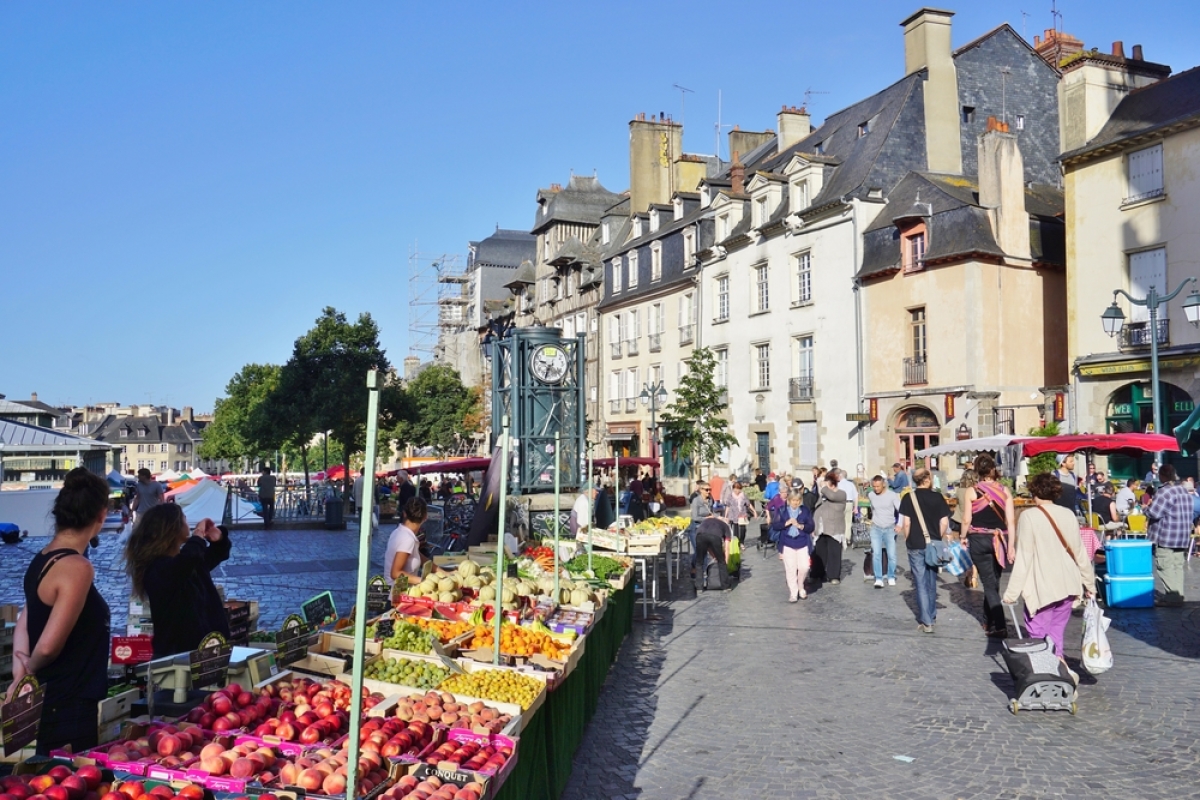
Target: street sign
(858,418)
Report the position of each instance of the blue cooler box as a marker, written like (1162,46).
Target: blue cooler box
(1128,592)
(1128,558)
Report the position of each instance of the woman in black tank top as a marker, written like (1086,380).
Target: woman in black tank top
(62,635)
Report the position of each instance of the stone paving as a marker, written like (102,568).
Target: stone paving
(743,695)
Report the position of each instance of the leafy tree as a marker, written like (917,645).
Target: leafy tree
(695,420)
(1045,462)
(242,425)
(476,419)
(438,403)
(325,380)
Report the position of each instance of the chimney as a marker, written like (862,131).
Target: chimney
(1137,53)
(33,396)
(1002,189)
(794,126)
(737,175)
(745,141)
(1119,49)
(654,146)
(927,47)
(169,416)
(188,414)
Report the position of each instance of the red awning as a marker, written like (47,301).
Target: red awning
(639,461)
(1123,443)
(455,465)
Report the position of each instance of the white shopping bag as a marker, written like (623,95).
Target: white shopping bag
(1097,655)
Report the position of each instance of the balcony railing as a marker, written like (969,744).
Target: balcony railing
(655,342)
(631,347)
(1137,334)
(914,372)
(723,396)
(686,333)
(800,389)
(630,405)
(614,349)
(614,406)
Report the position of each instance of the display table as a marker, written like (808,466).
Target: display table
(554,732)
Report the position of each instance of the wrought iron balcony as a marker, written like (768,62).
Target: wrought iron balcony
(1135,335)
(655,342)
(614,406)
(800,389)
(631,347)
(630,405)
(914,372)
(614,349)
(686,333)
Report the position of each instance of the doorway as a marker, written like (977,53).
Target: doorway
(916,429)
(763,447)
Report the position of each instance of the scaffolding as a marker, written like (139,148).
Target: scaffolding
(427,289)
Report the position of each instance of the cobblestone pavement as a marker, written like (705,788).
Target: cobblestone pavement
(743,695)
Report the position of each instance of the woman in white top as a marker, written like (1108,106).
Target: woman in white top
(403,554)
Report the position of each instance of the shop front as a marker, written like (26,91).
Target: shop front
(623,439)
(1131,410)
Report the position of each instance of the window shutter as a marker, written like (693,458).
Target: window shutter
(808,443)
(1145,172)
(1146,269)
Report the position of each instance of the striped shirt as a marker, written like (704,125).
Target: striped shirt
(1171,517)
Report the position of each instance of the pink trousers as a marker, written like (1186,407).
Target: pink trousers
(1051,621)
(795,568)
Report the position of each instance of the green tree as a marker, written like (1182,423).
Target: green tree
(438,404)
(1046,462)
(242,424)
(326,380)
(695,420)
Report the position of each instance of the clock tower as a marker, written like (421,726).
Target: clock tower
(538,381)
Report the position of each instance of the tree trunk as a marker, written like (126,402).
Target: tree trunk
(304,462)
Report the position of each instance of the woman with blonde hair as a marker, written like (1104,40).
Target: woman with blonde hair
(171,568)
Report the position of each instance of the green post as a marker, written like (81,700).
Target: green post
(592,515)
(557,507)
(364,562)
(497,606)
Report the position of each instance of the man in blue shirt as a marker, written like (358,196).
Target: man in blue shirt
(772,487)
(899,480)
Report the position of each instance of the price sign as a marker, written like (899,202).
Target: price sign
(210,662)
(385,628)
(320,610)
(293,641)
(19,719)
(379,596)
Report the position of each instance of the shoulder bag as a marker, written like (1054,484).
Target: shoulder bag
(937,551)
(1061,539)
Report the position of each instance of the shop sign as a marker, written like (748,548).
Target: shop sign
(858,418)
(622,428)
(1184,405)
(379,596)
(1060,406)
(1122,409)
(19,719)
(1136,365)
(319,610)
(949,407)
(873,409)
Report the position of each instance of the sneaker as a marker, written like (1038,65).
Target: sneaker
(924,628)
(891,581)
(878,584)
(793,599)
(803,594)
(868,577)
(835,581)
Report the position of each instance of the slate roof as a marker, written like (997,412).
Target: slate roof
(38,404)
(583,200)
(525,275)
(958,226)
(1146,110)
(504,248)
(13,407)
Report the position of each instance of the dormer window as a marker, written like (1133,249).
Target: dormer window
(705,197)
(678,208)
(819,148)
(637,226)
(800,196)
(142,433)
(722,227)
(633,269)
(762,211)
(689,247)
(653,220)
(604,232)
(124,433)
(913,247)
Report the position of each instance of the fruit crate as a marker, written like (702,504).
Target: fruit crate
(527,713)
(492,779)
(387,707)
(387,689)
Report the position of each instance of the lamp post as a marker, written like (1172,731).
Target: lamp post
(654,396)
(1114,319)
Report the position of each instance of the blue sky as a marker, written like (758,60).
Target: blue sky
(183,186)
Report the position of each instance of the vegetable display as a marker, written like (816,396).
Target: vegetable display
(602,566)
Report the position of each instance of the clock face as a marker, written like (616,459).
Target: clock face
(549,364)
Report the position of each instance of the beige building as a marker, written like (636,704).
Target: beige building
(964,292)
(1132,197)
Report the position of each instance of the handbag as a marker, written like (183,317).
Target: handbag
(1097,656)
(937,552)
(960,559)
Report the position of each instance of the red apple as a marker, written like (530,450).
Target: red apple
(58,792)
(40,783)
(59,773)
(132,789)
(76,786)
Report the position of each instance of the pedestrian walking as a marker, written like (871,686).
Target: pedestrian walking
(760,480)
(266,495)
(830,518)
(1170,517)
(1052,567)
(1068,498)
(792,529)
(851,489)
(925,516)
(885,511)
(737,511)
(989,520)
(701,509)
(711,535)
(147,493)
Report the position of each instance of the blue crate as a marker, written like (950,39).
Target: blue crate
(1128,592)
(1129,558)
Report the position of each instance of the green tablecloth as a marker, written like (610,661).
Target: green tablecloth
(547,746)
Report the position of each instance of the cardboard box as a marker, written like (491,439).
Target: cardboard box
(117,707)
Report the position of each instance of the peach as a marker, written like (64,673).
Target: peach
(243,768)
(168,745)
(334,785)
(214,766)
(310,780)
(213,750)
(57,792)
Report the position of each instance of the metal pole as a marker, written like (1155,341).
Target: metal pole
(1152,303)
(364,562)
(557,507)
(498,603)
(592,515)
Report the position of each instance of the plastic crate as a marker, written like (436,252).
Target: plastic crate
(1127,558)
(1128,591)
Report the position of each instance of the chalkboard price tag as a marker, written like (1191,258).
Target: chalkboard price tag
(320,610)
(19,719)
(293,641)
(210,662)
(379,596)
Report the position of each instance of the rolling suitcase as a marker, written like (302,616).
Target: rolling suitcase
(869,563)
(1041,679)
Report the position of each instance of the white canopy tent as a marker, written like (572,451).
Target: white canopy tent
(207,499)
(986,444)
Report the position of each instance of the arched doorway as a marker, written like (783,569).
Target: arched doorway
(916,428)
(1131,410)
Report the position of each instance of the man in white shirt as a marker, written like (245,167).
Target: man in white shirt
(885,510)
(581,511)
(1126,499)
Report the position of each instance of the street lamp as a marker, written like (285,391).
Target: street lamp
(654,396)
(1114,319)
